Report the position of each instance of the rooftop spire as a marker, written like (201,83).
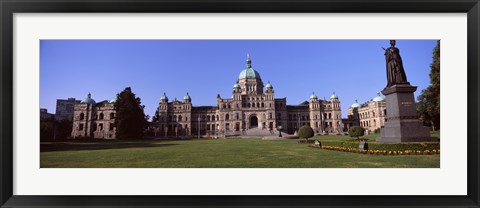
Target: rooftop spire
(249,62)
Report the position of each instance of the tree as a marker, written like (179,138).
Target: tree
(428,106)
(356,131)
(54,130)
(130,119)
(156,117)
(305,132)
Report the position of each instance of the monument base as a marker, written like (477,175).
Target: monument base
(405,130)
(402,124)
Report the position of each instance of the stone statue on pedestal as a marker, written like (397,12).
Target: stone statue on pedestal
(401,123)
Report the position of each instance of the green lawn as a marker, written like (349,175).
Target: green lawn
(221,153)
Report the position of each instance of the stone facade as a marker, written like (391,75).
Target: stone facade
(251,106)
(94,120)
(370,115)
(64,108)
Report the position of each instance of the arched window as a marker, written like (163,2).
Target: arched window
(186,118)
(101,116)
(270,115)
(112,115)
(82,116)
(263,105)
(217,118)
(248,105)
(179,118)
(227,116)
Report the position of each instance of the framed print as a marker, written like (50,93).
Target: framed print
(247,104)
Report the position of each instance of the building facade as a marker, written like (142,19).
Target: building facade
(64,108)
(370,115)
(94,120)
(45,115)
(252,106)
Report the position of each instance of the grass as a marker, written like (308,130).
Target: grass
(221,153)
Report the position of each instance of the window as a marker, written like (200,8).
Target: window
(100,127)
(236,115)
(179,117)
(80,127)
(101,116)
(82,116)
(111,126)
(270,115)
(227,117)
(112,115)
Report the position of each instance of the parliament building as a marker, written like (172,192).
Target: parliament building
(251,110)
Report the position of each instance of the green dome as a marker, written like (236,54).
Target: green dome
(88,100)
(356,104)
(313,96)
(249,72)
(164,97)
(269,85)
(379,98)
(334,96)
(236,85)
(187,97)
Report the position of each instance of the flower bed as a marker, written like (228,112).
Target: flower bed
(421,146)
(382,152)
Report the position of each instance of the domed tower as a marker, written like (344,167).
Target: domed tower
(83,116)
(336,113)
(163,109)
(187,98)
(249,80)
(353,112)
(315,113)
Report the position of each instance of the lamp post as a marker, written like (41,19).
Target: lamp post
(198,127)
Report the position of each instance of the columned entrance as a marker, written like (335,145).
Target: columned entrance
(253,122)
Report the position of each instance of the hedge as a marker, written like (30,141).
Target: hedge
(422,146)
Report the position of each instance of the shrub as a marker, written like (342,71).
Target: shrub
(356,131)
(305,132)
(306,141)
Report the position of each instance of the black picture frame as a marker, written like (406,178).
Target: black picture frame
(9,7)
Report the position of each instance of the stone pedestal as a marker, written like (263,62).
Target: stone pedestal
(402,123)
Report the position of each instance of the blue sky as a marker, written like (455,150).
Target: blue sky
(353,69)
